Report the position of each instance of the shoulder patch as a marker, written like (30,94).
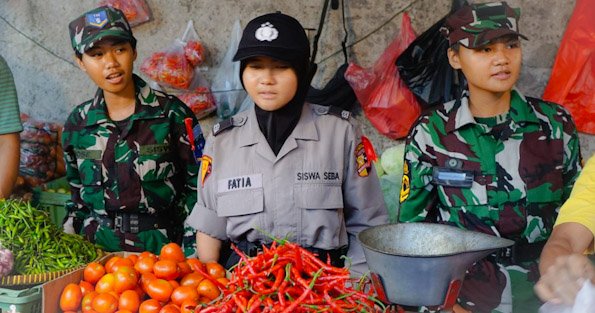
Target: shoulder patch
(227,124)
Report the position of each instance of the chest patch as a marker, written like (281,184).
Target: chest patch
(246,182)
(317,176)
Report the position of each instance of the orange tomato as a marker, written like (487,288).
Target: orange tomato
(172,251)
(106,283)
(192,279)
(125,278)
(183,269)
(195,264)
(93,272)
(121,263)
(86,287)
(183,293)
(133,258)
(159,289)
(188,306)
(149,306)
(144,265)
(147,254)
(110,263)
(208,289)
(166,269)
(129,300)
(170,308)
(223,281)
(105,303)
(87,300)
(123,311)
(215,269)
(71,297)
(174,283)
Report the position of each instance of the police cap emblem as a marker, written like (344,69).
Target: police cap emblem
(266,32)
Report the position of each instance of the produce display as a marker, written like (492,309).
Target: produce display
(38,245)
(390,171)
(136,11)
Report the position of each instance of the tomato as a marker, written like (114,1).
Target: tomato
(147,254)
(129,300)
(71,297)
(195,264)
(174,283)
(144,265)
(172,251)
(224,281)
(110,263)
(183,269)
(93,272)
(166,269)
(170,308)
(133,258)
(149,306)
(87,300)
(145,279)
(125,278)
(86,287)
(123,311)
(121,263)
(192,279)
(159,289)
(106,283)
(215,269)
(184,293)
(188,306)
(105,303)
(208,289)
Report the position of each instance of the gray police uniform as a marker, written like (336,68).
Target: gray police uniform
(319,191)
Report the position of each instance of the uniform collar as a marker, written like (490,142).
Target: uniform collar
(460,114)
(147,105)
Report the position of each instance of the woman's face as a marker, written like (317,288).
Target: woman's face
(270,83)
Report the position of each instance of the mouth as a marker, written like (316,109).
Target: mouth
(115,77)
(267,94)
(502,75)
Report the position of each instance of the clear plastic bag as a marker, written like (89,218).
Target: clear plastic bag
(385,99)
(175,67)
(136,11)
(227,86)
(584,302)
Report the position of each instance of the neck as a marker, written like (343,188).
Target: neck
(120,105)
(489,104)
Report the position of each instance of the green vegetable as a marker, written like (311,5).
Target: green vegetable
(392,160)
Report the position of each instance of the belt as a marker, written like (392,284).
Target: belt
(252,249)
(519,253)
(130,222)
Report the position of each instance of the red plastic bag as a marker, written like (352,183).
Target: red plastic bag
(200,101)
(387,102)
(572,82)
(136,11)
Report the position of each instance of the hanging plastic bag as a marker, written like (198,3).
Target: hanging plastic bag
(227,87)
(200,99)
(424,66)
(175,67)
(136,11)
(572,82)
(385,99)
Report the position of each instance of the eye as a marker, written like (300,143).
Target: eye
(486,49)
(514,45)
(95,54)
(254,65)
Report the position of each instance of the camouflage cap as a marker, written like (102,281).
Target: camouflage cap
(97,24)
(478,24)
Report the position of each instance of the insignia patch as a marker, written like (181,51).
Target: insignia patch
(205,168)
(97,19)
(362,162)
(266,32)
(405,183)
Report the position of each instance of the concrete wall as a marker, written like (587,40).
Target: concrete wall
(34,41)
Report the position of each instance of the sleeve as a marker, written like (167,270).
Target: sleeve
(204,216)
(418,195)
(572,155)
(10,121)
(363,199)
(75,206)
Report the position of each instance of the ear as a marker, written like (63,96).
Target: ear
(135,55)
(453,59)
(80,63)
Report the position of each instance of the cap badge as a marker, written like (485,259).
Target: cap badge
(266,32)
(98,19)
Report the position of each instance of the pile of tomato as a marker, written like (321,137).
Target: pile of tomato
(145,283)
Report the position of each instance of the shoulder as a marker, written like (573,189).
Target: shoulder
(79,113)
(172,105)
(236,121)
(546,107)
(331,111)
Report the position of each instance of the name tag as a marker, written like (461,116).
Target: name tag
(452,177)
(327,176)
(154,149)
(87,154)
(240,183)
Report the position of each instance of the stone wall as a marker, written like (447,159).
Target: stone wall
(34,41)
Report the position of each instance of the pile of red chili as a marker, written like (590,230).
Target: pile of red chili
(288,278)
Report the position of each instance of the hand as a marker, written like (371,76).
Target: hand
(562,281)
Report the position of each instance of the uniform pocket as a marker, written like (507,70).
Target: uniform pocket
(240,202)
(154,163)
(318,196)
(322,219)
(92,189)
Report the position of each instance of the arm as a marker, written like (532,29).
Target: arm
(10,156)
(208,248)
(566,239)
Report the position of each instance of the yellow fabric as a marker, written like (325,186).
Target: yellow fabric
(580,206)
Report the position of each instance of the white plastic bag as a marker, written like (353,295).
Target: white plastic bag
(584,302)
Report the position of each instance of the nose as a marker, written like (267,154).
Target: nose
(110,60)
(267,77)
(501,56)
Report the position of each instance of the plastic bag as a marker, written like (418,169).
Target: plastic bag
(385,99)
(136,11)
(200,101)
(425,69)
(583,303)
(175,67)
(41,153)
(572,82)
(227,86)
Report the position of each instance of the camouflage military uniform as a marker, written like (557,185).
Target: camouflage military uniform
(146,168)
(504,176)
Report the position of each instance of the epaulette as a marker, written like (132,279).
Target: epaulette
(227,124)
(333,110)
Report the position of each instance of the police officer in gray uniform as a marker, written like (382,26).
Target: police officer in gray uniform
(285,168)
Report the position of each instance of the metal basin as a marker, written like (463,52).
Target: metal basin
(417,261)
